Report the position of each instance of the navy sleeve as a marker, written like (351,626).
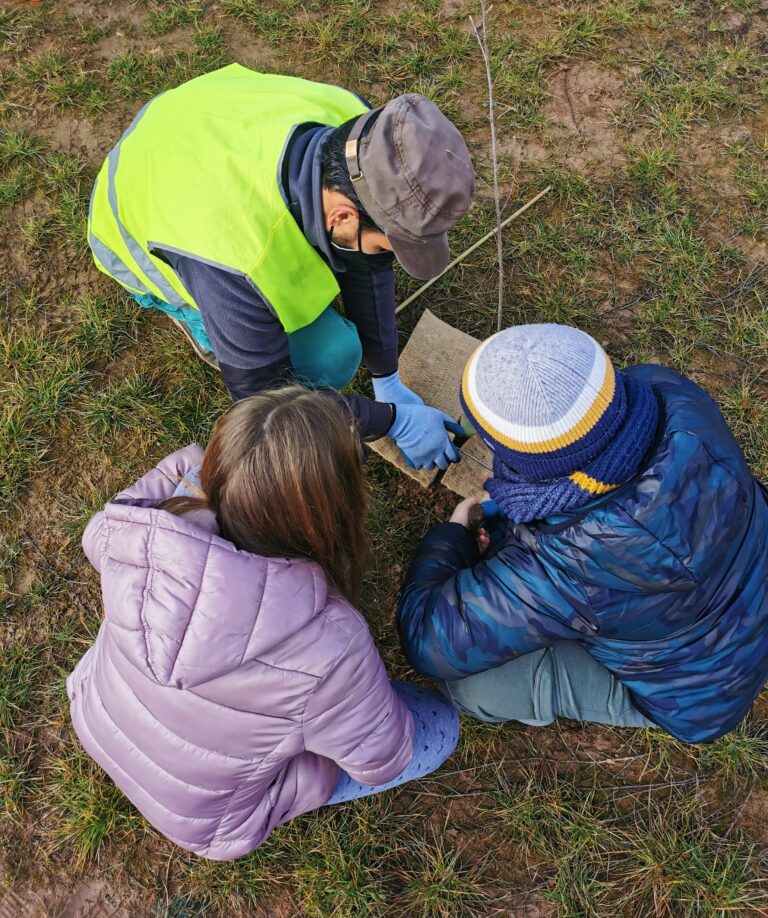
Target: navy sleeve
(459,615)
(244,383)
(369,302)
(251,344)
(244,331)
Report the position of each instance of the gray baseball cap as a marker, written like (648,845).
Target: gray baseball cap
(414,177)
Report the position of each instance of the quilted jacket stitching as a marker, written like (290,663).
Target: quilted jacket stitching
(145,597)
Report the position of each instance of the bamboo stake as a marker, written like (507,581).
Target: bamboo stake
(483,43)
(471,249)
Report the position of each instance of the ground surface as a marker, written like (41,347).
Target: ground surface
(649,119)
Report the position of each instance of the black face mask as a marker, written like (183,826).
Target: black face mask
(358,257)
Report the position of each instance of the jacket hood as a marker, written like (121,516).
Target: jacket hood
(188,606)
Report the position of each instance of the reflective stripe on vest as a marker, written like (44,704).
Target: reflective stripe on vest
(114,265)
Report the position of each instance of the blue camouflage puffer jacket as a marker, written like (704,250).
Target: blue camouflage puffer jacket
(664,580)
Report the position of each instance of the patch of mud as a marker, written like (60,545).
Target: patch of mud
(750,29)
(521,150)
(121,41)
(585,98)
(116,11)
(251,51)
(756,249)
(754,816)
(534,907)
(88,899)
(455,8)
(707,151)
(90,139)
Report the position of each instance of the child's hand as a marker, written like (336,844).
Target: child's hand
(469,513)
(462,511)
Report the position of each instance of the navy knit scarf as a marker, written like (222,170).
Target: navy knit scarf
(523,500)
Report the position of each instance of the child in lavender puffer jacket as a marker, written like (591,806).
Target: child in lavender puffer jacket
(233,685)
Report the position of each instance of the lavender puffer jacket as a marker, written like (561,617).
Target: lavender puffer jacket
(224,690)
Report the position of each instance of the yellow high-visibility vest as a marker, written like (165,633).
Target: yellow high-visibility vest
(198,173)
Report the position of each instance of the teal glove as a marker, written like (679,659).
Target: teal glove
(420,432)
(392,389)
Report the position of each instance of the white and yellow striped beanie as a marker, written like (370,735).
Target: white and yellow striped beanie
(546,397)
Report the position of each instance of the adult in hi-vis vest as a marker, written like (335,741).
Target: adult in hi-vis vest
(241,203)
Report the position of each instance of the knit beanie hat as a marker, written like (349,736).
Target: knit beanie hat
(551,406)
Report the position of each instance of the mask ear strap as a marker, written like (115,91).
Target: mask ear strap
(359,233)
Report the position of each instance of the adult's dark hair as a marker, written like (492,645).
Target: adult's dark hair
(284,477)
(335,171)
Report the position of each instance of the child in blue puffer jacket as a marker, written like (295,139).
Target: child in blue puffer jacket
(621,575)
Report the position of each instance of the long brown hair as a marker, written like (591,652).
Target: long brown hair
(284,477)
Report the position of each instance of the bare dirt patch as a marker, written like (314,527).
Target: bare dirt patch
(251,51)
(707,152)
(86,137)
(585,98)
(89,898)
(754,816)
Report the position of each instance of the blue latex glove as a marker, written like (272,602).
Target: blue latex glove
(392,389)
(420,432)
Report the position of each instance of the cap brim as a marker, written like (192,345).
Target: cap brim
(424,259)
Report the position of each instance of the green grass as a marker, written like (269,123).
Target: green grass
(114,409)
(20,667)
(61,80)
(142,74)
(677,89)
(417,50)
(56,183)
(173,15)
(338,864)
(19,27)
(10,552)
(19,146)
(83,808)
(17,783)
(346,861)
(233,887)
(44,375)
(107,325)
(656,251)
(438,885)
(751,176)
(747,413)
(741,753)
(610,857)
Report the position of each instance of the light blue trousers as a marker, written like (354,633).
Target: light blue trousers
(563,680)
(325,353)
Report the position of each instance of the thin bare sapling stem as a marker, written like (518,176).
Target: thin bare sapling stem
(482,39)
